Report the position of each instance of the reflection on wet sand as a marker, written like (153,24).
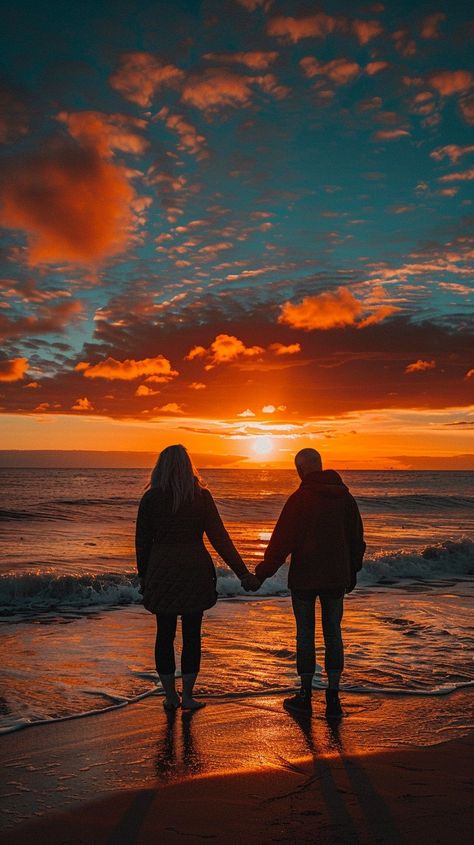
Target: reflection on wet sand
(177,753)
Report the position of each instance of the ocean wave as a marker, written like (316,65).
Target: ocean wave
(45,591)
(244,508)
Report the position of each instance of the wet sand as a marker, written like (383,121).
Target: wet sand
(241,771)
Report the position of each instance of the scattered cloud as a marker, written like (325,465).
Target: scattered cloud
(225,349)
(82,405)
(13,369)
(285,349)
(340,71)
(430,25)
(452,151)
(448,82)
(255,60)
(469,374)
(141,75)
(459,176)
(320,25)
(190,140)
(246,413)
(420,366)
(49,319)
(144,390)
(157,368)
(332,309)
(106,132)
(170,408)
(272,409)
(197,385)
(390,134)
(376,67)
(73,205)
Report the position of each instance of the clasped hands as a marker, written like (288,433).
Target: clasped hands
(250,582)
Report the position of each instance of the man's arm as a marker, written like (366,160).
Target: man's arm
(282,541)
(357,543)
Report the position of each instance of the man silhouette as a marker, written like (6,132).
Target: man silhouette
(320,526)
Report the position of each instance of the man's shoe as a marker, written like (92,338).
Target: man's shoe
(299,703)
(333,705)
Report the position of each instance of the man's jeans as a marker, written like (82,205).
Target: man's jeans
(304,602)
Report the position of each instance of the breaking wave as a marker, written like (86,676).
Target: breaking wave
(451,559)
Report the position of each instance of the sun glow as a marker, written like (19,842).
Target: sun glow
(262,445)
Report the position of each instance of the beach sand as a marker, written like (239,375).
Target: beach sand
(241,771)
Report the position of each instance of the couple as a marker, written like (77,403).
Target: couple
(320,526)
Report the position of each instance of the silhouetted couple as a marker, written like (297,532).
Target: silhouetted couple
(320,526)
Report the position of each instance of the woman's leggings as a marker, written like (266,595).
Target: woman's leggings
(164,646)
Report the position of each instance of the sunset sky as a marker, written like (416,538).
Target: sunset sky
(242,225)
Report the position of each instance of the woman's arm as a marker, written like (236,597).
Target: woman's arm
(220,540)
(143,536)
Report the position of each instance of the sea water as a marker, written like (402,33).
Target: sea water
(75,638)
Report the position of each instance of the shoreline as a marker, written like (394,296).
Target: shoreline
(137,766)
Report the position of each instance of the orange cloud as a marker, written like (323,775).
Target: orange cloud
(190,140)
(469,374)
(141,75)
(321,25)
(82,405)
(170,408)
(375,67)
(366,30)
(197,385)
(32,385)
(466,106)
(255,60)
(224,350)
(252,5)
(282,349)
(459,176)
(246,413)
(430,24)
(144,390)
(14,369)
(294,29)
(448,82)
(272,409)
(452,151)
(106,132)
(339,71)
(49,319)
(215,88)
(330,310)
(72,205)
(390,134)
(420,366)
(129,369)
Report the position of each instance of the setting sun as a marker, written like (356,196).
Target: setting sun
(262,445)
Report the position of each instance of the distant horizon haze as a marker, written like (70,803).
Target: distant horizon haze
(125,459)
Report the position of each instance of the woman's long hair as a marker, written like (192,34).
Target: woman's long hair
(175,473)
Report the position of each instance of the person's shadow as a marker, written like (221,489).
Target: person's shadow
(177,753)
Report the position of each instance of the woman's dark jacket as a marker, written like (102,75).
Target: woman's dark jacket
(320,526)
(174,566)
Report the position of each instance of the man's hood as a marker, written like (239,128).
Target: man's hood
(327,482)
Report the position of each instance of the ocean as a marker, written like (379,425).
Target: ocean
(76,639)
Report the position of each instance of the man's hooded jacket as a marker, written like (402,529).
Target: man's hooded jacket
(320,526)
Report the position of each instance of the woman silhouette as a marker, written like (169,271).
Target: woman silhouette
(177,575)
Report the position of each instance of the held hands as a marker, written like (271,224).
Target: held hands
(250,583)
